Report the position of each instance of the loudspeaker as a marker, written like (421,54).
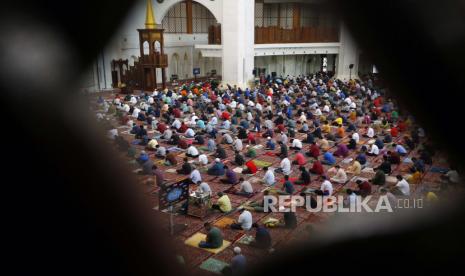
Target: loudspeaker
(351,66)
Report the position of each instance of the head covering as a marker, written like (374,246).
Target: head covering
(237,250)
(217,160)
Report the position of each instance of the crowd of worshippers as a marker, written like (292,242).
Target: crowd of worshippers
(204,122)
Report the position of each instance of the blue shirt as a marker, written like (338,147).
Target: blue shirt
(362,159)
(288,187)
(400,149)
(270,145)
(328,156)
(238,264)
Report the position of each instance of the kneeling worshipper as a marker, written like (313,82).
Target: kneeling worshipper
(217,168)
(314,150)
(317,167)
(186,167)
(379,178)
(251,168)
(328,158)
(374,150)
(340,177)
(192,151)
(220,152)
(342,150)
(304,178)
(160,151)
(268,178)
(244,222)
(152,144)
(203,159)
(230,176)
(223,203)
(214,237)
(296,144)
(270,145)
(326,186)
(170,159)
(364,188)
(245,188)
(355,168)
(288,187)
(299,159)
(238,158)
(402,187)
(262,237)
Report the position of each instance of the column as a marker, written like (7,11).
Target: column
(348,54)
(238,42)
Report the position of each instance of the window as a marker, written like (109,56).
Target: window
(175,21)
(202,18)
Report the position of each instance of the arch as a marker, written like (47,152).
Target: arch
(186,66)
(146,47)
(161,10)
(175,64)
(134,59)
(156,46)
(199,63)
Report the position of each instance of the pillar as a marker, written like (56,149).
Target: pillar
(348,54)
(238,34)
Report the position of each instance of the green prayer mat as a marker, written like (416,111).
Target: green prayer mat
(262,164)
(246,239)
(203,148)
(213,265)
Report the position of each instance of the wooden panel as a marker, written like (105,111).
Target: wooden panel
(274,34)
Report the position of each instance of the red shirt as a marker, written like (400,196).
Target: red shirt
(251,166)
(161,127)
(299,157)
(314,150)
(225,115)
(281,128)
(394,132)
(183,128)
(250,137)
(317,168)
(365,189)
(177,113)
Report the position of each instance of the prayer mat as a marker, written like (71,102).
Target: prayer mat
(135,142)
(246,239)
(347,160)
(258,146)
(269,153)
(175,149)
(213,265)
(203,148)
(195,239)
(170,170)
(238,170)
(292,179)
(271,222)
(261,163)
(438,170)
(224,222)
(232,190)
